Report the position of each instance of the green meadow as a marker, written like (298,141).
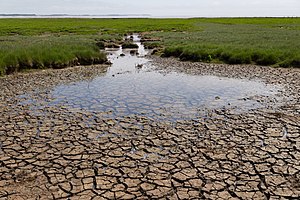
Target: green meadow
(57,43)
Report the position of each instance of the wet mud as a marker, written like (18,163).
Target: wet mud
(52,149)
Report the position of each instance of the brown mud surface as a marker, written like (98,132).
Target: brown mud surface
(62,153)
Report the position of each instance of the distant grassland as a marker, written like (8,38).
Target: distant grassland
(57,43)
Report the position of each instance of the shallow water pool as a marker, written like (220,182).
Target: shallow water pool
(133,86)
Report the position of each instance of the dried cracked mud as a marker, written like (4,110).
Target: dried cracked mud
(58,152)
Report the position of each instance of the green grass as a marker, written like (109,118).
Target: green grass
(88,26)
(57,43)
(39,52)
(129,45)
(263,42)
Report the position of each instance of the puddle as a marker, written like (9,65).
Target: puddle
(132,86)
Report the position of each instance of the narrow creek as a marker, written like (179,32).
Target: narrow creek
(132,86)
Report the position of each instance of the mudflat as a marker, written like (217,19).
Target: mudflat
(57,152)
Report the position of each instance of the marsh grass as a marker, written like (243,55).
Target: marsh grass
(39,52)
(57,43)
(236,44)
(129,45)
(67,26)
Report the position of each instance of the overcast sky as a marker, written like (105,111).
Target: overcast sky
(201,8)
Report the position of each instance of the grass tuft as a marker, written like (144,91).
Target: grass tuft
(129,45)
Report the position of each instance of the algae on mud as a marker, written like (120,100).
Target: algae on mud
(43,43)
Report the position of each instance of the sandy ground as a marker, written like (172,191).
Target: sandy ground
(58,153)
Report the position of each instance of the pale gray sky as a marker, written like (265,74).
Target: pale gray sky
(201,8)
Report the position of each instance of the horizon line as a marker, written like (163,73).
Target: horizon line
(132,15)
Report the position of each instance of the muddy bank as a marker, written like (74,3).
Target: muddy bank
(271,75)
(57,153)
(22,83)
(286,77)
